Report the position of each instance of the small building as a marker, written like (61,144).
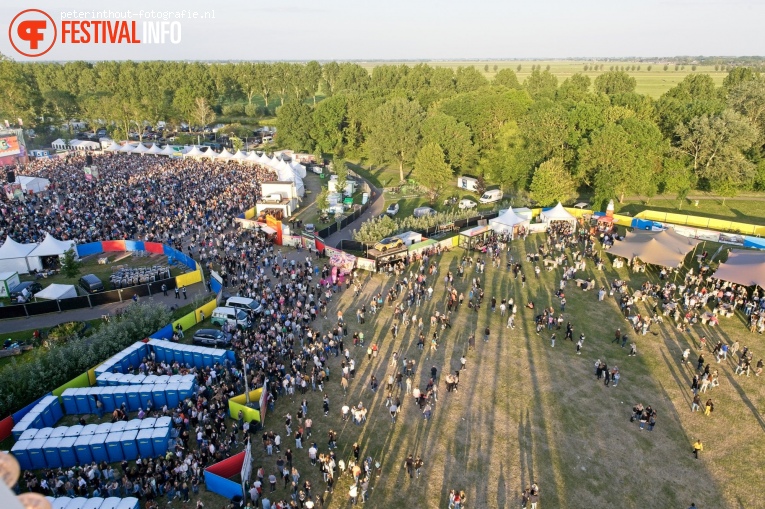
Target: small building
(468,183)
(409,238)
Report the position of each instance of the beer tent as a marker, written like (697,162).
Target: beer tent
(665,248)
(744,268)
(13,257)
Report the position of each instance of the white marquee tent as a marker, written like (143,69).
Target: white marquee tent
(127,148)
(194,152)
(34,184)
(210,154)
(57,292)
(224,155)
(140,149)
(13,257)
(239,156)
(299,169)
(114,147)
(167,151)
(253,157)
(59,144)
(154,149)
(50,247)
(508,222)
(558,213)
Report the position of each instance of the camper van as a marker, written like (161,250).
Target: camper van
(245,304)
(233,316)
(491,196)
(467,183)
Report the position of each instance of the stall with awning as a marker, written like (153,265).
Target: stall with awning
(473,238)
(558,213)
(508,222)
(666,248)
(343,261)
(744,268)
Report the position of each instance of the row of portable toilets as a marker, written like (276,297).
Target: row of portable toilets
(93,503)
(67,446)
(39,445)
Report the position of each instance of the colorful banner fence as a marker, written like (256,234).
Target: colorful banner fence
(217,476)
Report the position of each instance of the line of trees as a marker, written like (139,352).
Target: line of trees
(598,136)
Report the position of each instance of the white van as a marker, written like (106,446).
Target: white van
(233,316)
(491,196)
(245,304)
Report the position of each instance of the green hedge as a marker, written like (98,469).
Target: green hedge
(23,383)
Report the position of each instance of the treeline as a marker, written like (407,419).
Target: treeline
(543,136)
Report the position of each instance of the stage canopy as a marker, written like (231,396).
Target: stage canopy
(558,213)
(744,268)
(507,222)
(665,248)
(57,292)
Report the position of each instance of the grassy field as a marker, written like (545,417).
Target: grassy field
(652,83)
(746,209)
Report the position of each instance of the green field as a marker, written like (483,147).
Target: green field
(652,83)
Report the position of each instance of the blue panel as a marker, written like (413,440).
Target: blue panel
(82,449)
(114,447)
(98,448)
(50,450)
(107,398)
(134,245)
(129,445)
(145,444)
(171,393)
(133,399)
(89,249)
(215,285)
(35,453)
(165,332)
(755,242)
(159,439)
(222,486)
(19,451)
(67,453)
(24,411)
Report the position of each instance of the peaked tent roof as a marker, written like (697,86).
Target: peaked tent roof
(127,147)
(299,169)
(57,291)
(194,152)
(52,247)
(743,267)
(168,150)
(558,213)
(154,149)
(210,154)
(114,147)
(224,154)
(654,248)
(12,249)
(253,157)
(140,149)
(508,218)
(239,156)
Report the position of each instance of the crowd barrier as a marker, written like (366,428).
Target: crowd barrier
(217,476)
(702,222)
(257,412)
(93,503)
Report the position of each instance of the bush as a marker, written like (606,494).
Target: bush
(233,110)
(379,228)
(253,110)
(23,383)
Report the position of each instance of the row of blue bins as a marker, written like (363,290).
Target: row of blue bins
(46,412)
(93,503)
(68,451)
(112,379)
(191,355)
(134,397)
(130,357)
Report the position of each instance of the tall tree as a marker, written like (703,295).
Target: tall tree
(330,72)
(341,170)
(312,78)
(202,112)
(431,171)
(453,137)
(329,123)
(574,89)
(394,132)
(295,123)
(541,84)
(469,79)
(552,183)
(264,76)
(615,82)
(507,78)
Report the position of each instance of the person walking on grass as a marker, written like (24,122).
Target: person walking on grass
(579,344)
(552,340)
(697,448)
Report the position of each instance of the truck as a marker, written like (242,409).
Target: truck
(491,196)
(468,183)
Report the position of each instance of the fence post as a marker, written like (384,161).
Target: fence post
(58,302)
(119,292)
(89,302)
(25,310)
(148,285)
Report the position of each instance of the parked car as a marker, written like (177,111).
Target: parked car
(233,316)
(245,304)
(393,209)
(211,337)
(309,228)
(389,243)
(26,288)
(319,170)
(91,284)
(491,196)
(466,204)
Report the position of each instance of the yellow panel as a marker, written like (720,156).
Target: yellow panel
(188,279)
(207,309)
(249,214)
(186,321)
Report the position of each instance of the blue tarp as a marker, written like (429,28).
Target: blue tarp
(89,249)
(165,332)
(755,242)
(134,245)
(24,411)
(221,486)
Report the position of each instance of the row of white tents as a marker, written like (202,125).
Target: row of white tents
(285,171)
(24,258)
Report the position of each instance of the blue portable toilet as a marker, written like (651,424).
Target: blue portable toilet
(178,353)
(129,445)
(138,379)
(82,398)
(70,404)
(93,503)
(114,447)
(102,380)
(148,423)
(164,423)
(19,451)
(77,503)
(198,358)
(175,379)
(89,429)
(98,448)
(56,410)
(74,431)
(104,428)
(82,449)
(171,393)
(134,357)
(94,392)
(185,390)
(122,362)
(159,438)
(66,451)
(188,378)
(133,398)
(28,434)
(44,433)
(107,398)
(150,380)
(133,425)
(145,395)
(115,379)
(118,426)
(145,444)
(207,358)
(158,395)
(50,450)
(128,503)
(159,351)
(60,502)
(59,432)
(21,428)
(126,379)
(188,355)
(111,503)
(46,407)
(36,455)
(120,396)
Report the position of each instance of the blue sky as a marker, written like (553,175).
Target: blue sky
(427,29)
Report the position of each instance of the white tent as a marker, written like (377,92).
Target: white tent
(126,148)
(51,247)
(13,257)
(168,150)
(210,154)
(34,184)
(154,149)
(140,149)
(239,156)
(558,213)
(84,145)
(253,157)
(299,169)
(59,144)
(507,222)
(224,155)
(265,160)
(113,147)
(194,152)
(57,292)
